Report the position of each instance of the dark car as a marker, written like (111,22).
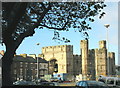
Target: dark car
(48,83)
(91,84)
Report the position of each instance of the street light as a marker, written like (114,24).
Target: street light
(37,64)
(107,26)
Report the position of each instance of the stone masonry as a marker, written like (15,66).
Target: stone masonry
(91,63)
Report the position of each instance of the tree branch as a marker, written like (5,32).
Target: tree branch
(63,28)
(34,11)
(31,31)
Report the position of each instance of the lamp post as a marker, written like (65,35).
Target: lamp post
(108,66)
(37,63)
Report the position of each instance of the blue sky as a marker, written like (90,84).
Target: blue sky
(98,32)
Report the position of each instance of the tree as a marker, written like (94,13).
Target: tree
(20,19)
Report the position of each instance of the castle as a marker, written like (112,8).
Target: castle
(90,63)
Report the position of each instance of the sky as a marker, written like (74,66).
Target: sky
(98,33)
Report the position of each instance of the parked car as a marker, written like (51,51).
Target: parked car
(37,81)
(48,83)
(23,82)
(91,84)
(110,81)
(54,79)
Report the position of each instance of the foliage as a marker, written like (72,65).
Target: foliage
(59,16)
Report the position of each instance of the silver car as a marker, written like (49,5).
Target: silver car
(49,84)
(23,82)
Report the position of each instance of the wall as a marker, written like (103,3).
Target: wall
(63,55)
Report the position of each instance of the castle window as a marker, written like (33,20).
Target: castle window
(62,66)
(76,61)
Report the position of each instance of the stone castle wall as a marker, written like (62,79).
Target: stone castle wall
(91,63)
(63,55)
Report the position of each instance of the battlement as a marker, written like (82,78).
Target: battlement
(84,41)
(59,46)
(111,54)
(102,44)
(92,50)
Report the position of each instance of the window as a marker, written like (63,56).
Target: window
(15,71)
(26,64)
(21,71)
(21,64)
(40,65)
(62,66)
(44,66)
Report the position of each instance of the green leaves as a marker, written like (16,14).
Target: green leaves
(90,19)
(101,15)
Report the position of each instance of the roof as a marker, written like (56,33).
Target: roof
(23,59)
(28,59)
(42,60)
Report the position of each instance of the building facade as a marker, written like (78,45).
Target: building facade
(25,68)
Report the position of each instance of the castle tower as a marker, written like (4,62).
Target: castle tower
(102,44)
(101,59)
(91,64)
(111,56)
(84,56)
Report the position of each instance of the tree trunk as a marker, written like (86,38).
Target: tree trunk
(6,65)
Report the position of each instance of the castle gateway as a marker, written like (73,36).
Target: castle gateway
(60,58)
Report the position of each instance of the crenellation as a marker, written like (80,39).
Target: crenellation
(102,44)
